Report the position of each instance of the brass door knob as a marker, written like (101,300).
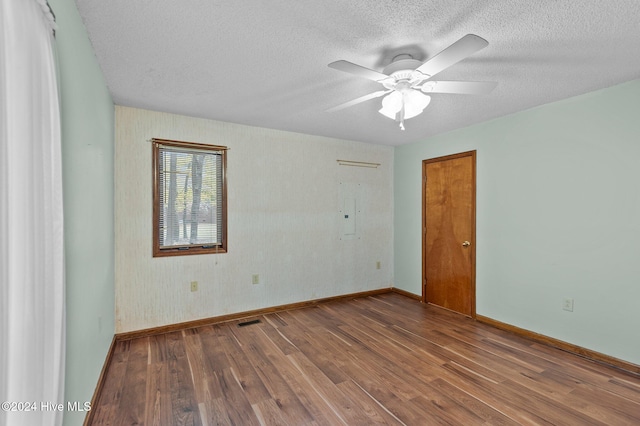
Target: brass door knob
(466,244)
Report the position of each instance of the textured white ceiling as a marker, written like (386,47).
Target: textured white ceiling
(264,63)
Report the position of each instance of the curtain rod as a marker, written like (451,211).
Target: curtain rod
(206,145)
(358,163)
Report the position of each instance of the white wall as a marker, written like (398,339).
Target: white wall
(87,117)
(558,216)
(284,222)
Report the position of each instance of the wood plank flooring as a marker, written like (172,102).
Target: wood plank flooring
(384,359)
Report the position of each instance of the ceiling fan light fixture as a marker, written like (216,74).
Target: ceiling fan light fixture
(388,112)
(414,103)
(391,105)
(393,101)
(408,103)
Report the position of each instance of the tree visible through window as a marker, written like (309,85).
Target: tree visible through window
(189,199)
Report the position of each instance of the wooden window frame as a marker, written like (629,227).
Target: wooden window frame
(192,248)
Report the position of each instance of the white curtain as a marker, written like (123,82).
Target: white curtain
(32,329)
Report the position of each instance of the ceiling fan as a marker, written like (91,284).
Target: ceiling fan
(406,80)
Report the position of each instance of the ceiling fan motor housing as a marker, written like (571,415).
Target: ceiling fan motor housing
(407,65)
(403,70)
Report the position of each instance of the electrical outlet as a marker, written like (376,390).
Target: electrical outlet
(567,305)
(378,264)
(194,285)
(255,279)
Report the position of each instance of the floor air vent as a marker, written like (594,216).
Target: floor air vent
(255,321)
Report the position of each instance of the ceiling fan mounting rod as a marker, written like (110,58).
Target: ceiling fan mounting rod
(403,64)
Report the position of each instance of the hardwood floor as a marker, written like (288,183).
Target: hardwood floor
(384,359)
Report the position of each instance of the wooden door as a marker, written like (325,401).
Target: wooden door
(449,232)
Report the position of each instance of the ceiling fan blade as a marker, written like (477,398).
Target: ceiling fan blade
(459,87)
(358,70)
(459,50)
(359,100)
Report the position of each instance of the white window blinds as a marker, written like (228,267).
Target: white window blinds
(190,197)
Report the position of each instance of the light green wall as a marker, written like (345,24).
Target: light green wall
(558,216)
(87,150)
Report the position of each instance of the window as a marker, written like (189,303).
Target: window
(189,198)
